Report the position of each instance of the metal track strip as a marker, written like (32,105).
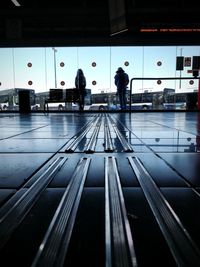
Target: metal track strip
(119,244)
(73,143)
(53,248)
(16,213)
(126,146)
(108,145)
(93,140)
(182,247)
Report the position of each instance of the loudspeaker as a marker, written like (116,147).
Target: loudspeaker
(179,63)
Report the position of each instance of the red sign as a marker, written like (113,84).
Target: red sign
(187,61)
(189,71)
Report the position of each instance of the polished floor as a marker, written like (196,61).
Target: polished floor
(100,189)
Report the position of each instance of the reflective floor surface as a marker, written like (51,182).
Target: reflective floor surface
(100,189)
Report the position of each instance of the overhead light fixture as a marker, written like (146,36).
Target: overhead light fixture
(16,3)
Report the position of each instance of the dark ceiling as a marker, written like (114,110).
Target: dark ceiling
(99,22)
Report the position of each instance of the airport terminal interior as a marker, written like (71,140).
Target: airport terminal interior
(100,188)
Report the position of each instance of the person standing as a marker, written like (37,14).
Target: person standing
(80,84)
(121,80)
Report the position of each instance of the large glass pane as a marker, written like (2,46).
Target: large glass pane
(45,68)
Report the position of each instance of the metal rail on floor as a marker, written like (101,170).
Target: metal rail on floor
(125,144)
(53,248)
(183,248)
(73,143)
(92,142)
(119,244)
(94,127)
(108,145)
(12,216)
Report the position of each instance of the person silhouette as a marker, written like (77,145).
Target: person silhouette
(80,84)
(121,80)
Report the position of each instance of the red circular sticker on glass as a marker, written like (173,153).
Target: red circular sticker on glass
(159,82)
(191,82)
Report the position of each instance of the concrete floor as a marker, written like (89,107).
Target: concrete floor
(154,158)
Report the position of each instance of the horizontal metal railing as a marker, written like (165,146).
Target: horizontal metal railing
(153,78)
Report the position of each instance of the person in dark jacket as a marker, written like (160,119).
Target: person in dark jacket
(80,84)
(121,80)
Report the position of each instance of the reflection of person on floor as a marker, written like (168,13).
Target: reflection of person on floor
(122,128)
(83,121)
(80,83)
(121,80)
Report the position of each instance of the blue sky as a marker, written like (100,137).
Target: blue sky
(14,70)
